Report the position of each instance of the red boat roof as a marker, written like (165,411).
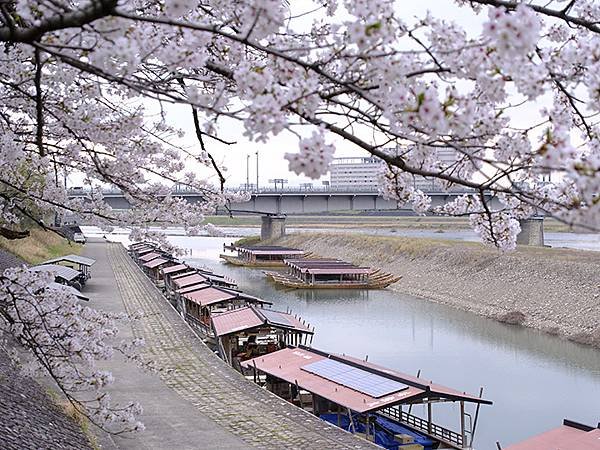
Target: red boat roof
(569,436)
(208,296)
(149,256)
(189,280)
(326,266)
(155,263)
(378,388)
(270,250)
(193,288)
(251,317)
(176,268)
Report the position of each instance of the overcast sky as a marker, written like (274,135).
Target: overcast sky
(271,154)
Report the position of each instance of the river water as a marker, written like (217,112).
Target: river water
(535,380)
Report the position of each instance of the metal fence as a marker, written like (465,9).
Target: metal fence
(437,431)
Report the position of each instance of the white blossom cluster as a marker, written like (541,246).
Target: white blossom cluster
(67,340)
(518,103)
(400,186)
(314,157)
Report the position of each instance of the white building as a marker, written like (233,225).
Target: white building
(355,173)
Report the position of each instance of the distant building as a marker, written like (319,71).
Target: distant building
(355,173)
(363,172)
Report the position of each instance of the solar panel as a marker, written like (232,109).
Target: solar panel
(276,317)
(354,378)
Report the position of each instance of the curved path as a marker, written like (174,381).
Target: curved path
(202,403)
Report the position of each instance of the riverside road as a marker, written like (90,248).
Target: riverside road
(196,401)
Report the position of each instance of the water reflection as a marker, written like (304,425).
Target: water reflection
(534,379)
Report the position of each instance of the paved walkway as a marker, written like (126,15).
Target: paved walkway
(203,403)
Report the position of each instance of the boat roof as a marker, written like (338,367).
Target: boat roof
(194,278)
(571,435)
(208,296)
(156,262)
(70,289)
(250,317)
(205,295)
(187,273)
(140,244)
(270,250)
(76,259)
(192,288)
(351,382)
(174,269)
(205,274)
(149,256)
(338,270)
(66,273)
(317,262)
(144,250)
(326,267)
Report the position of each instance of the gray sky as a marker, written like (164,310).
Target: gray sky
(271,154)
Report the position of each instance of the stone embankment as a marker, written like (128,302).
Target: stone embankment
(29,417)
(554,290)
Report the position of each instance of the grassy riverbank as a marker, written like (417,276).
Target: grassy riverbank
(39,246)
(554,290)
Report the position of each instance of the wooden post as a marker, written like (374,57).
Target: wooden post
(299,396)
(411,405)
(474,426)
(351,421)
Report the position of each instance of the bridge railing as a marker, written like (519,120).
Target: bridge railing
(284,190)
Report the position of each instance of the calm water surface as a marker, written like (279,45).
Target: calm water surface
(534,379)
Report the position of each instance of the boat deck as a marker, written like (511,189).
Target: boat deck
(376,280)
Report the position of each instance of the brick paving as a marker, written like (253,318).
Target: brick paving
(236,406)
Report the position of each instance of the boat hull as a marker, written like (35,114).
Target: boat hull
(239,262)
(379,281)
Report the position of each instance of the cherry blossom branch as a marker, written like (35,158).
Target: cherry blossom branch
(559,14)
(95,10)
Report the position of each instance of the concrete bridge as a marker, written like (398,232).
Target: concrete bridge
(275,204)
(297,201)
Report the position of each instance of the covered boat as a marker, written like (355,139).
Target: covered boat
(199,303)
(261,255)
(365,398)
(247,332)
(330,274)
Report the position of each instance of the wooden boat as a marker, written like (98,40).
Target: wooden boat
(261,255)
(370,400)
(330,274)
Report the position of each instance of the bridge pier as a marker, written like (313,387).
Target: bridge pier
(272,227)
(532,232)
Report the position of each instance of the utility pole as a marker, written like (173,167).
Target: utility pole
(257,171)
(248,172)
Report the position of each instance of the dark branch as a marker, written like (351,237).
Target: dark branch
(559,14)
(94,11)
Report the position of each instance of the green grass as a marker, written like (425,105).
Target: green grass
(248,240)
(39,246)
